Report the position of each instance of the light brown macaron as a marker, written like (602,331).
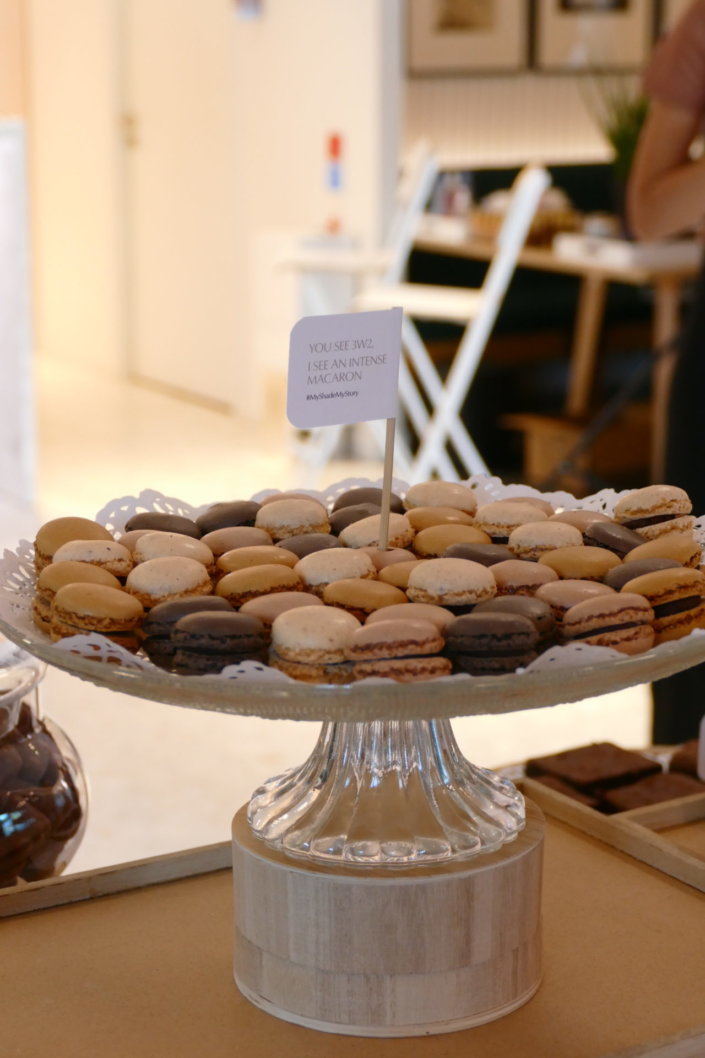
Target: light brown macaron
(655,510)
(268,607)
(677,597)
(581,518)
(367,532)
(292,517)
(399,573)
(112,612)
(422,611)
(388,556)
(534,539)
(334,563)
(517,577)
(581,563)
(163,579)
(309,643)
(424,517)
(451,582)
(681,547)
(107,554)
(362,597)
(242,585)
(433,541)
(55,576)
(398,649)
(441,494)
(538,502)
(623,621)
(259,555)
(233,536)
(58,531)
(562,594)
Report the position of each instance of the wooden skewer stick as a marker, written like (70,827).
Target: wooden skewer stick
(387,484)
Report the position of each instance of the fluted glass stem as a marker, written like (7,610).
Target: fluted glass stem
(389,792)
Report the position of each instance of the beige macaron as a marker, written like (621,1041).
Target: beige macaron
(107,554)
(441,494)
(581,563)
(309,644)
(259,555)
(451,582)
(399,573)
(421,611)
(284,518)
(518,577)
(158,544)
(333,563)
(655,510)
(58,574)
(362,597)
(58,531)
(162,579)
(500,517)
(681,547)
(242,585)
(268,607)
(367,532)
(433,541)
(81,608)
(233,536)
(534,539)
(424,517)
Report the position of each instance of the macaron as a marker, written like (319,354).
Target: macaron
(451,582)
(347,515)
(162,579)
(222,540)
(129,540)
(677,597)
(581,518)
(413,611)
(309,644)
(387,556)
(538,502)
(307,543)
(517,577)
(398,649)
(158,544)
(612,536)
(112,612)
(367,532)
(259,555)
(491,644)
(107,554)
(268,607)
(398,573)
(226,514)
(208,641)
(622,621)
(159,621)
(242,585)
(616,578)
(537,610)
(58,531)
(362,597)
(684,548)
(441,494)
(283,518)
(55,576)
(287,494)
(580,563)
(500,517)
(562,594)
(534,539)
(337,563)
(654,510)
(424,517)
(367,494)
(167,523)
(434,541)
(485,554)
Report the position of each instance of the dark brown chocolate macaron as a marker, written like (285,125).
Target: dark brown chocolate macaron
(345,516)
(160,620)
(165,522)
(485,554)
(491,644)
(226,514)
(529,606)
(618,577)
(207,642)
(367,494)
(612,536)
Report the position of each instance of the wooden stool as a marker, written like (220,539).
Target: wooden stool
(388,952)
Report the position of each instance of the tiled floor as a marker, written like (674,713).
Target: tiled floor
(164,778)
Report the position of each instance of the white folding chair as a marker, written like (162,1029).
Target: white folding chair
(385,264)
(432,405)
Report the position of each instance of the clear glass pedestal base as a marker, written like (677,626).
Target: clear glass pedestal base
(387,793)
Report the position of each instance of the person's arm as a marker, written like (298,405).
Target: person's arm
(666,192)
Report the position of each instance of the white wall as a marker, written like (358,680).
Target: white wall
(76,191)
(12,95)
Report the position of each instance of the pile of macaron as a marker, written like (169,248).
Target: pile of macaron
(306,588)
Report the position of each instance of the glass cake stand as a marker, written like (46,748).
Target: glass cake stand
(386,784)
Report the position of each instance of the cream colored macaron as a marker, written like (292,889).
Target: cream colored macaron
(334,563)
(441,494)
(162,579)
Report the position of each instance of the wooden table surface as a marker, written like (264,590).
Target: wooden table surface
(148,974)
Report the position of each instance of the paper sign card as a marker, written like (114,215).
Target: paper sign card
(344,368)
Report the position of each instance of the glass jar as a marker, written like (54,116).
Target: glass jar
(43,795)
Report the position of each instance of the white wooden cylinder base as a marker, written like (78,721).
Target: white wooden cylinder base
(388,952)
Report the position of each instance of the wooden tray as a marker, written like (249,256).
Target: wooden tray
(668,836)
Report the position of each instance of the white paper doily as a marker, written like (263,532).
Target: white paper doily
(561,674)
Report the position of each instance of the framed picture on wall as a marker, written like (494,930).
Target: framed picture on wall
(448,37)
(590,35)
